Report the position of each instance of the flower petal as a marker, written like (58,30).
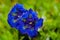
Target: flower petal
(11,17)
(38,24)
(10,21)
(17,7)
(25,15)
(20,27)
(20,7)
(33,14)
(31,33)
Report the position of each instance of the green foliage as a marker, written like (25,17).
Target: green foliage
(49,10)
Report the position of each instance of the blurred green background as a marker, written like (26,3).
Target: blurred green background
(49,10)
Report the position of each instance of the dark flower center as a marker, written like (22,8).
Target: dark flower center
(29,22)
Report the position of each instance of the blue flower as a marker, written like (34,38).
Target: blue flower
(15,14)
(31,23)
(26,21)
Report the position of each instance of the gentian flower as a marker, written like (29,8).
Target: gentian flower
(16,12)
(26,21)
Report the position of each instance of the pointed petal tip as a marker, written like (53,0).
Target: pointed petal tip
(39,24)
(41,19)
(30,9)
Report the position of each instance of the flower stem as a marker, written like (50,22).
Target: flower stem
(26,37)
(19,35)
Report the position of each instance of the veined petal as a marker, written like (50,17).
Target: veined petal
(13,10)
(20,7)
(38,24)
(17,7)
(20,27)
(30,10)
(10,20)
(11,17)
(25,15)
(31,33)
(12,24)
(33,14)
